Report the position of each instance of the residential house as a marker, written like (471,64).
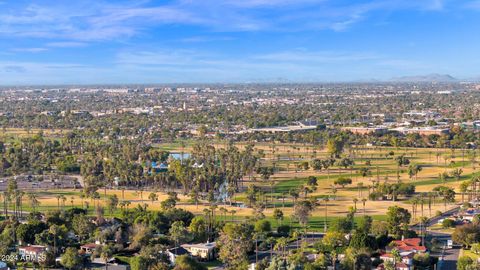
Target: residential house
(89,248)
(32,253)
(203,251)
(173,253)
(406,260)
(408,245)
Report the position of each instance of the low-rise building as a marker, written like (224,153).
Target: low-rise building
(89,248)
(173,253)
(32,253)
(203,251)
(366,130)
(408,245)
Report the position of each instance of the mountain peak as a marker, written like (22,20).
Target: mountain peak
(434,77)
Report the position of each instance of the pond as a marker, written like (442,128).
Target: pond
(180,156)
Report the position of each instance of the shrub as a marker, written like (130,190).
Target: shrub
(448,223)
(283,230)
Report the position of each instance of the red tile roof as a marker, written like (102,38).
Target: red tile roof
(90,246)
(409,244)
(36,249)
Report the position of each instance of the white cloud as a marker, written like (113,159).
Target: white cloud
(83,21)
(66,44)
(29,50)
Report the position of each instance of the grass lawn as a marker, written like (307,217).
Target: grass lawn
(212,264)
(383,168)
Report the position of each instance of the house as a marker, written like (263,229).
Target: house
(408,244)
(203,251)
(173,253)
(32,253)
(402,266)
(89,248)
(366,130)
(406,258)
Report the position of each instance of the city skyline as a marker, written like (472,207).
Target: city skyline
(183,41)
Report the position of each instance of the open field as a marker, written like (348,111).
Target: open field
(286,157)
(21,132)
(383,168)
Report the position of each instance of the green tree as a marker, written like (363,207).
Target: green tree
(185,262)
(343,181)
(178,233)
(71,259)
(278,215)
(263,226)
(112,203)
(198,228)
(335,146)
(465,263)
(82,226)
(398,219)
(234,242)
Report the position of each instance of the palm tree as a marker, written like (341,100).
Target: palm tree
(223,212)
(359,187)
(123,193)
(396,256)
(82,197)
(105,254)
(284,194)
(295,195)
(153,197)
(281,245)
(363,202)
(59,197)
(64,199)
(326,199)
(424,225)
(33,200)
(5,203)
(54,231)
(334,191)
(355,200)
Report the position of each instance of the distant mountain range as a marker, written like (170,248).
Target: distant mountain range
(426,78)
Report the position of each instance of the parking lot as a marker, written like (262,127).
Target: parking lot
(41,182)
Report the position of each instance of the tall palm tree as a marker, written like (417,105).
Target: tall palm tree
(281,245)
(463,189)
(59,197)
(5,203)
(424,225)
(364,200)
(33,200)
(396,256)
(326,199)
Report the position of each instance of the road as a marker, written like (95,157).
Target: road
(450,259)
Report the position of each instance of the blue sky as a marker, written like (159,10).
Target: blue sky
(95,41)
